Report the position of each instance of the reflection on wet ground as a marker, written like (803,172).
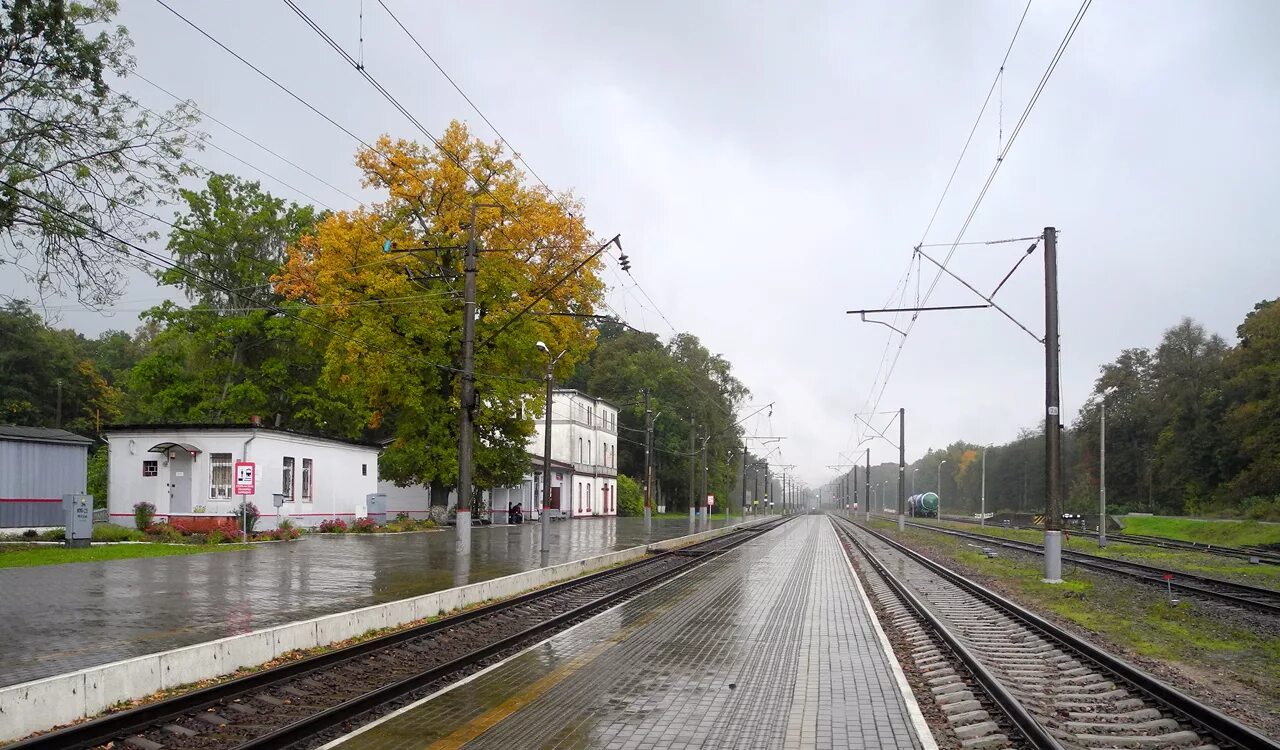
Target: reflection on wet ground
(61,618)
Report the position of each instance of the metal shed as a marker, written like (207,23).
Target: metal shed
(38,465)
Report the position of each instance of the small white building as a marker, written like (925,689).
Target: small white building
(584,458)
(189,473)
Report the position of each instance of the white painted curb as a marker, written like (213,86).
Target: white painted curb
(53,701)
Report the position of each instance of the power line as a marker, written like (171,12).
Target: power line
(991,177)
(1035,97)
(173,265)
(257,143)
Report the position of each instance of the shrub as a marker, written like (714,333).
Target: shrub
(163,532)
(54,535)
(198,509)
(30,534)
(246,516)
(286,529)
(402,517)
(142,514)
(109,532)
(333,526)
(630,497)
(364,526)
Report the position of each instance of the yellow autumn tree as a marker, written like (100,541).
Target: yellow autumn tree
(390,324)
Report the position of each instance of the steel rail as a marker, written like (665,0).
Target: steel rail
(1139,571)
(1032,730)
(106,729)
(1210,719)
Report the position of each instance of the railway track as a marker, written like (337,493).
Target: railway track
(306,702)
(1238,594)
(1004,677)
(1251,553)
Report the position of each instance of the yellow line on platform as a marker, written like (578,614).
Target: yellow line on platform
(494,716)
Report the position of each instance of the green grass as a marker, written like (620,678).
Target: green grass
(1230,533)
(1133,616)
(30,555)
(1186,561)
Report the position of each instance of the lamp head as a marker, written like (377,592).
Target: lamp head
(543,348)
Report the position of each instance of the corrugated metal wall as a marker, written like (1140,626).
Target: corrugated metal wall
(31,472)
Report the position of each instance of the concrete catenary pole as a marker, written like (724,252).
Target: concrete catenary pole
(982,508)
(648,460)
(866,515)
(902,469)
(1053,417)
(693,469)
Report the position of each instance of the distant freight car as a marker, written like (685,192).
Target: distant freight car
(923,506)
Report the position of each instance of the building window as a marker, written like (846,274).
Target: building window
(286,482)
(150,468)
(591,416)
(582,456)
(308,476)
(220,475)
(590,457)
(364,470)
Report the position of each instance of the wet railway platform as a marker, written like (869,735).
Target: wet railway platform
(61,618)
(771,645)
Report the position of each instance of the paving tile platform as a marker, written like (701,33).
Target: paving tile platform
(768,646)
(62,618)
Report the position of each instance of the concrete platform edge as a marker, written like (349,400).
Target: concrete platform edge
(50,702)
(918,722)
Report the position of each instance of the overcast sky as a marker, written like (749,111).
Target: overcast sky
(771,165)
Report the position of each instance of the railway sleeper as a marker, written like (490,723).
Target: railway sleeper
(1180,738)
(1152,726)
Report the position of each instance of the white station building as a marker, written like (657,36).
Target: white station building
(192,472)
(584,465)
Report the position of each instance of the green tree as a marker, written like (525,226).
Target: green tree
(234,352)
(72,147)
(630,497)
(1252,424)
(394,354)
(687,384)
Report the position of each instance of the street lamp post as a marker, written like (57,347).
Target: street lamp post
(545,517)
(940,488)
(1102,471)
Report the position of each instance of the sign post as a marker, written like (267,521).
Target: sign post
(246,476)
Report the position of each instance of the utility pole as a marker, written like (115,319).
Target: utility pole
(768,491)
(702,498)
(545,515)
(58,423)
(648,460)
(854,482)
(467,412)
(1053,417)
(743,508)
(902,469)
(693,461)
(866,515)
(982,509)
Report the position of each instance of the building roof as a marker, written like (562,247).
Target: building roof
(234,428)
(587,396)
(42,435)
